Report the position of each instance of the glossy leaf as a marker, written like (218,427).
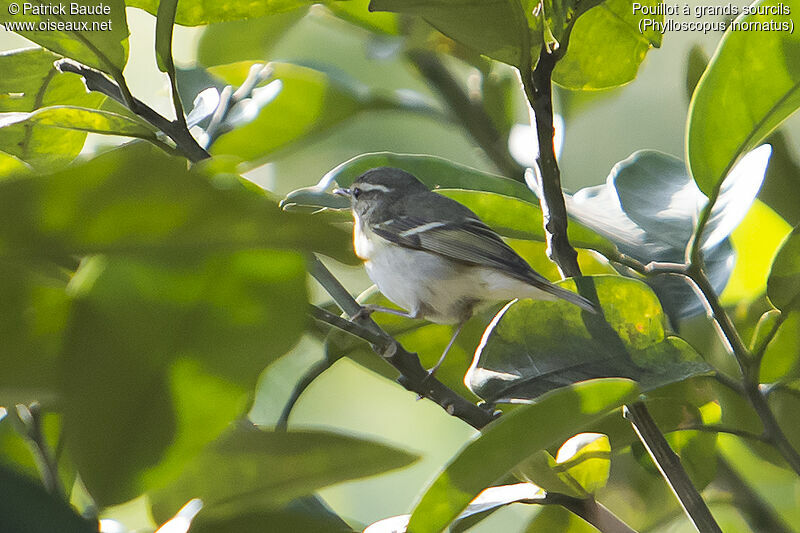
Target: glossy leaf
(30,82)
(249,39)
(87,120)
(26,506)
(509,441)
(270,468)
(201,13)
(533,347)
(747,108)
(648,208)
(607,45)
(99,40)
(308,103)
(783,285)
(495,28)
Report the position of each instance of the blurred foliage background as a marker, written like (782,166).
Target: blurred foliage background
(361,95)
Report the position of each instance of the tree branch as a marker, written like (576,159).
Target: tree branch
(470,114)
(412,374)
(669,464)
(97,81)
(589,509)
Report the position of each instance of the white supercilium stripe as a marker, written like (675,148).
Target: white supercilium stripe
(366,187)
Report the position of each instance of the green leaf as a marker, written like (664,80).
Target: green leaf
(135,200)
(31,82)
(606,46)
(510,440)
(165,22)
(88,120)
(586,458)
(783,284)
(250,39)
(496,28)
(554,518)
(435,172)
(253,467)
(26,506)
(308,103)
(201,13)
(174,347)
(301,515)
(782,354)
(750,86)
(34,309)
(97,39)
(357,12)
(532,347)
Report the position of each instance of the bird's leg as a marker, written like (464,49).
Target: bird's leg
(368,309)
(433,370)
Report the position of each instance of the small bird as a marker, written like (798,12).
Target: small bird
(433,256)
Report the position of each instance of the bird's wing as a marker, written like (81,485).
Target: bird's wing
(468,241)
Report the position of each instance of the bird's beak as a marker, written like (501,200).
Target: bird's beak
(342,192)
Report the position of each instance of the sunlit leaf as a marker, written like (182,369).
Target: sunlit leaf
(87,120)
(730,98)
(782,354)
(509,441)
(30,82)
(95,34)
(586,458)
(553,518)
(357,12)
(268,469)
(607,45)
(533,347)
(200,13)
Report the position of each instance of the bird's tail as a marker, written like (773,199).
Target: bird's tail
(569,296)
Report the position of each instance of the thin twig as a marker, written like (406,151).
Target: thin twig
(412,374)
(470,114)
(716,428)
(311,374)
(669,464)
(99,82)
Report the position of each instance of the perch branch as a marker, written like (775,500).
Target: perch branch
(412,374)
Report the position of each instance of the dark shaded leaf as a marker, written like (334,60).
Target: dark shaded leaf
(26,507)
(533,347)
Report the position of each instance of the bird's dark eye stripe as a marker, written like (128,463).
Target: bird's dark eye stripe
(356,192)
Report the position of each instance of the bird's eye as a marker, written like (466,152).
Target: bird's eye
(356,192)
